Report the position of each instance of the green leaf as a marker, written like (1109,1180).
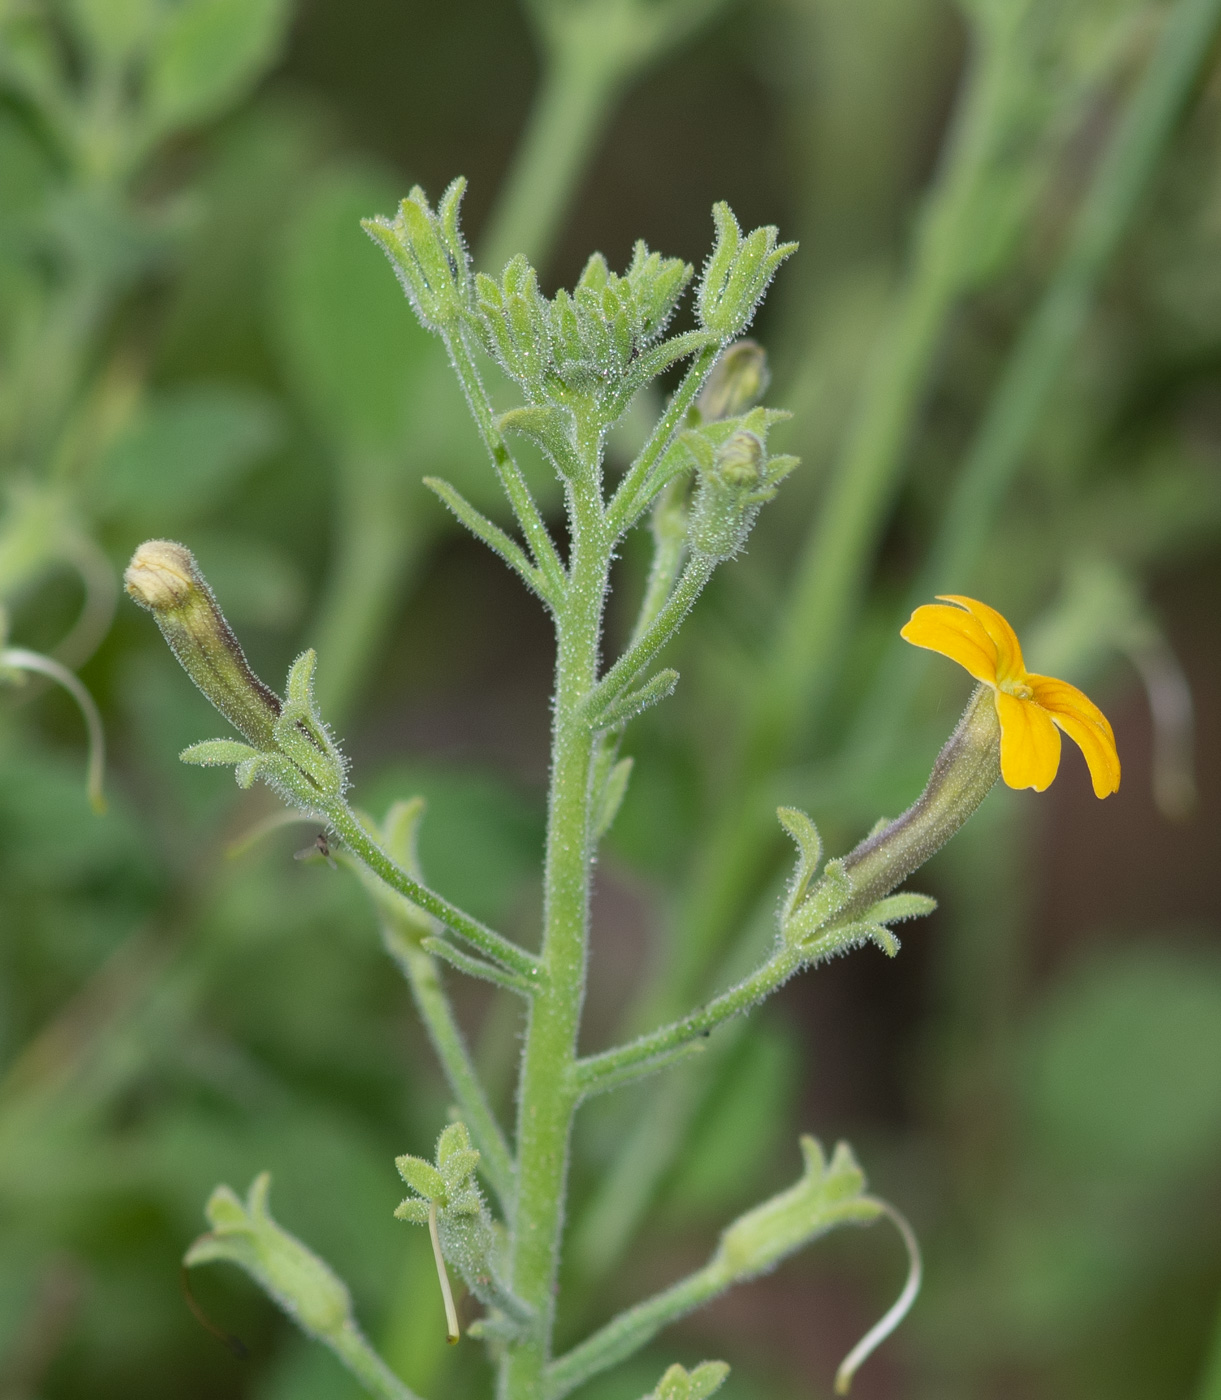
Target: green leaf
(613,792)
(113,29)
(207,56)
(182,453)
(631,703)
(422,1177)
(1121,1067)
(352,348)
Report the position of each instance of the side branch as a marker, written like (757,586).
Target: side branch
(632,498)
(640,654)
(524,506)
(438,1017)
(488,941)
(638,1057)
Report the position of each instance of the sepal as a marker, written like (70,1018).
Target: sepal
(734,478)
(514,325)
(244,1233)
(809,853)
(829,897)
(467,1235)
(826,1195)
(897,907)
(680,1384)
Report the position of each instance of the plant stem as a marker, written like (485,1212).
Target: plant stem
(632,1329)
(423,976)
(369,853)
(547,1096)
(507,471)
(369,1369)
(578,89)
(632,497)
(644,651)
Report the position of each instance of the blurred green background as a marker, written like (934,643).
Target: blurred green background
(197,341)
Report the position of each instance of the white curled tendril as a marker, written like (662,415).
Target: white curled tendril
(19,659)
(902,1306)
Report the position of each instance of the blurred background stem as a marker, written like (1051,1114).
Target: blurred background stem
(577,90)
(1037,361)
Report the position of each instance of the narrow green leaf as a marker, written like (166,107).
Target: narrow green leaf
(896,907)
(492,535)
(613,792)
(634,702)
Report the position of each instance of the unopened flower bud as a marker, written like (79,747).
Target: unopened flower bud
(728,496)
(164,578)
(739,379)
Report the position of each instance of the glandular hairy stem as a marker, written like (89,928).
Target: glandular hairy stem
(547,1095)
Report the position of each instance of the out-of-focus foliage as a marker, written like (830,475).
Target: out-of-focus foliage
(196,340)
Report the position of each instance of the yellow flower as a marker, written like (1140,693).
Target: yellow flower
(1030,708)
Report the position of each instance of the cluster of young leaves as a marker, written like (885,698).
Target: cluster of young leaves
(581,357)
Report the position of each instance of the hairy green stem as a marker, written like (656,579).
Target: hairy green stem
(369,1369)
(423,976)
(547,1097)
(634,1328)
(644,652)
(632,497)
(507,470)
(362,845)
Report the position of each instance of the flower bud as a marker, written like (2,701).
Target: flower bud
(827,1194)
(739,379)
(728,497)
(164,578)
(244,1233)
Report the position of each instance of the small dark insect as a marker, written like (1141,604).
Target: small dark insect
(321,847)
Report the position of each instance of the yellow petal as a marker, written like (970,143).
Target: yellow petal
(1030,743)
(1086,725)
(955,634)
(1009,663)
